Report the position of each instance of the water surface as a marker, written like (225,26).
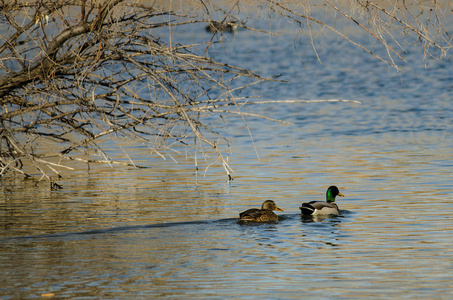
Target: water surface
(169,231)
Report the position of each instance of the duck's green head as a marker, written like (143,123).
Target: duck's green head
(332,192)
(270,205)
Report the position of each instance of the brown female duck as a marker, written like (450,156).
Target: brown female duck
(265,214)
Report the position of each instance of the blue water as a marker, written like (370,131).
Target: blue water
(169,231)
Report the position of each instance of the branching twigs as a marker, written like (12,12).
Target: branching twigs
(415,30)
(221,24)
(380,39)
(74,74)
(292,14)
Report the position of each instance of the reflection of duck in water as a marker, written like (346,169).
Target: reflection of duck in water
(265,214)
(323,208)
(215,26)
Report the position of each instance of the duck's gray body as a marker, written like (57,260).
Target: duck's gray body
(328,207)
(319,208)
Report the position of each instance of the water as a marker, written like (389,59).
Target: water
(169,231)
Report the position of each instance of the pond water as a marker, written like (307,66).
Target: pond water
(169,231)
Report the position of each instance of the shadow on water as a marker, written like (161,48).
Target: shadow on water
(325,230)
(326,218)
(120,229)
(284,220)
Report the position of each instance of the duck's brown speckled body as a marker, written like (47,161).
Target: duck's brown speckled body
(265,214)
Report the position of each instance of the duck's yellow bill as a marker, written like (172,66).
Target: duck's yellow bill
(278,209)
(340,194)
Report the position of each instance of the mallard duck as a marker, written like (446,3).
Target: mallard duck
(265,214)
(215,26)
(323,208)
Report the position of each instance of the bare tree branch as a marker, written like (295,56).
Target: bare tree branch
(74,73)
